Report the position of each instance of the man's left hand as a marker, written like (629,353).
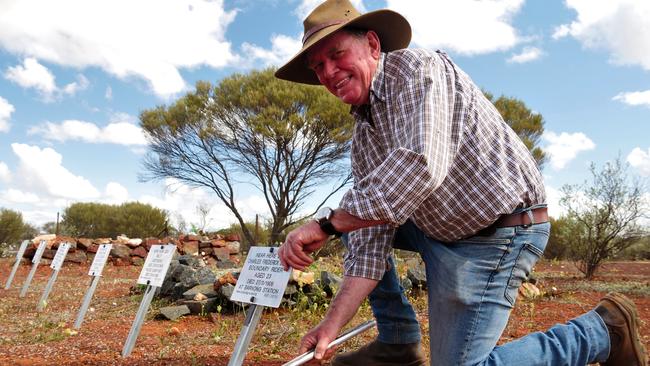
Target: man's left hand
(299,243)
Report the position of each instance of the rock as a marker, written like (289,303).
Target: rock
(290,289)
(93,248)
(174,331)
(134,243)
(203,306)
(191,260)
(205,276)
(205,244)
(100,241)
(233,247)
(225,264)
(137,261)
(529,291)
(418,276)
(122,262)
(191,247)
(46,237)
(48,254)
(207,290)
(121,239)
(227,290)
(189,278)
(222,254)
(121,251)
(199,297)
(228,278)
(330,282)
(139,252)
(406,283)
(302,278)
(77,256)
(149,242)
(218,243)
(232,237)
(84,244)
(174,312)
(178,270)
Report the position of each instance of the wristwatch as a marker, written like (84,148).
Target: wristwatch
(324,217)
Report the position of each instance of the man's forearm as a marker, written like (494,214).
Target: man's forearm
(348,299)
(346,222)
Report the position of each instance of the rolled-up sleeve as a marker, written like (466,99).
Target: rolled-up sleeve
(368,251)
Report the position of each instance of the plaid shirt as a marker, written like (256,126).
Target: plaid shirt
(430,148)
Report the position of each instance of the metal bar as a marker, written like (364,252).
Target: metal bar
(253,316)
(28,280)
(12,274)
(139,319)
(86,302)
(307,356)
(43,301)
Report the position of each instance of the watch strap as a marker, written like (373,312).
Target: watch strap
(328,228)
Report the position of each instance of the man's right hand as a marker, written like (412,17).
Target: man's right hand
(299,243)
(317,339)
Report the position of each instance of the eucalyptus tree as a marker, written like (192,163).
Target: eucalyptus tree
(285,139)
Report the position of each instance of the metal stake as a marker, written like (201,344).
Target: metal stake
(342,338)
(86,302)
(46,293)
(139,319)
(23,292)
(19,256)
(253,316)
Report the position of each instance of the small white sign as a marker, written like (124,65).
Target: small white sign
(39,251)
(156,265)
(262,280)
(59,257)
(21,251)
(100,260)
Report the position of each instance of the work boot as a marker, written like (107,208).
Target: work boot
(383,354)
(622,321)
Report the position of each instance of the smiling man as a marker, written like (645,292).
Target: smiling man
(436,171)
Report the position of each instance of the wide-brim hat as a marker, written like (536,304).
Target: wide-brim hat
(393,29)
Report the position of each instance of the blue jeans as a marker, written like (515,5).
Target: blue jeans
(472,287)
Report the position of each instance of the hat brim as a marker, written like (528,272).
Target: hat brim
(393,29)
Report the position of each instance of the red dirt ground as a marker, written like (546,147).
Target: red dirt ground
(31,338)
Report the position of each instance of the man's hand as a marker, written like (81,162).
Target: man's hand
(318,338)
(299,243)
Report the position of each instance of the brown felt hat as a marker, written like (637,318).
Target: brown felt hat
(392,28)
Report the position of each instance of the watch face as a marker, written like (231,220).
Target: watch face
(323,213)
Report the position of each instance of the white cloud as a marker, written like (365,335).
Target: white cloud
(17,196)
(41,170)
(282,49)
(526,55)
(31,74)
(116,194)
(641,98)
(109,93)
(463,26)
(121,133)
(181,201)
(307,6)
(553,200)
(6,109)
(110,34)
(5,174)
(564,147)
(618,26)
(640,160)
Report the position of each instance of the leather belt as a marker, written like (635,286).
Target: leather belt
(540,215)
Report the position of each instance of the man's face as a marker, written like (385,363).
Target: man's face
(345,65)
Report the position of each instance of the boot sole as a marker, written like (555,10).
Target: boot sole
(628,309)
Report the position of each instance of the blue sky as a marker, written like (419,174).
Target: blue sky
(75,74)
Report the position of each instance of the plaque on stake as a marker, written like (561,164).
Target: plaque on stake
(35,261)
(19,256)
(57,262)
(152,274)
(95,272)
(261,283)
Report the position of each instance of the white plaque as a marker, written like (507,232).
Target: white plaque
(100,260)
(39,252)
(59,257)
(156,265)
(262,280)
(21,251)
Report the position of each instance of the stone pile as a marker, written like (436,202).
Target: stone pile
(219,251)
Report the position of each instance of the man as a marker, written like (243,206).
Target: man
(437,171)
